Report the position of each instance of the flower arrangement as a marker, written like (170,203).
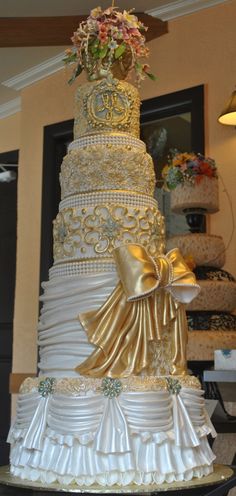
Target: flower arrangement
(188,168)
(107,37)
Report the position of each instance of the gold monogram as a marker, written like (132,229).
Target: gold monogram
(107,105)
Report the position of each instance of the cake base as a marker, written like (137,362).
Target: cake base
(220,474)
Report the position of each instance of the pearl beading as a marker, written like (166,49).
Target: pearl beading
(81,268)
(116,197)
(107,139)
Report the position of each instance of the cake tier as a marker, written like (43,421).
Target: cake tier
(206,249)
(215,295)
(204,195)
(112,432)
(91,225)
(111,161)
(107,105)
(62,340)
(211,321)
(202,344)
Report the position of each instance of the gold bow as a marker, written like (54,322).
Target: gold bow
(148,300)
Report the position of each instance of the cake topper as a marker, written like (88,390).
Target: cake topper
(109,42)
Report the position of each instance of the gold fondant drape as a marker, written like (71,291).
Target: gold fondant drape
(148,299)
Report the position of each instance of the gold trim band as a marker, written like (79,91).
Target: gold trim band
(76,386)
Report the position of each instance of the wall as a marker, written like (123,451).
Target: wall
(199,49)
(46,102)
(10,133)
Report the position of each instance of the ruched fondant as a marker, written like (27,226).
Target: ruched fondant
(62,340)
(138,437)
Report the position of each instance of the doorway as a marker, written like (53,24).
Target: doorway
(8,216)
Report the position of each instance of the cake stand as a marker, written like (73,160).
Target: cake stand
(216,484)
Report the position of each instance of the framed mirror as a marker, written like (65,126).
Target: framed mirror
(173,121)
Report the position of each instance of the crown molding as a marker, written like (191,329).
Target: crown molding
(182,7)
(35,73)
(10,108)
(50,66)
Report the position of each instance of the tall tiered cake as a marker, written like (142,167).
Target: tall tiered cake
(113,403)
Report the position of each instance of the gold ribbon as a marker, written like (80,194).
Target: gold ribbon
(148,300)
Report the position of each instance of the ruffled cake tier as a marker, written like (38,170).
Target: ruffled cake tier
(63,342)
(79,434)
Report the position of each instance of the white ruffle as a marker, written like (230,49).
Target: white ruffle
(112,435)
(34,435)
(85,439)
(147,466)
(141,437)
(111,478)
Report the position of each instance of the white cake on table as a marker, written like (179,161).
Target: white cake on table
(113,404)
(90,418)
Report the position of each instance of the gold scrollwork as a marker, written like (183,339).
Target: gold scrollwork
(66,234)
(105,227)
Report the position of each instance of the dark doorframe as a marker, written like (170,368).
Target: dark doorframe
(8,215)
(56,137)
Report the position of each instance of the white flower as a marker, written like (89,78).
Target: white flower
(113,45)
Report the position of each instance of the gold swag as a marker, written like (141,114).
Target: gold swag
(149,298)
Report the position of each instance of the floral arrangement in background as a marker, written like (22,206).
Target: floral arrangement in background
(189,168)
(106,37)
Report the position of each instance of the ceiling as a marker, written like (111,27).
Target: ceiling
(15,61)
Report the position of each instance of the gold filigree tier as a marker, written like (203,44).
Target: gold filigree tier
(92,225)
(107,105)
(107,166)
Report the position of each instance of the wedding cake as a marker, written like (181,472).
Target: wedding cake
(113,403)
